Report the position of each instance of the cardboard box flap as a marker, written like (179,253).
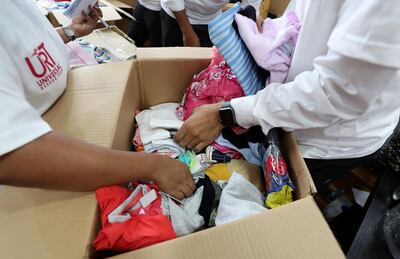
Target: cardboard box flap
(75,114)
(45,224)
(164,73)
(296,230)
(297,167)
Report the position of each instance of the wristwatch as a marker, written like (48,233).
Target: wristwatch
(227,115)
(69,32)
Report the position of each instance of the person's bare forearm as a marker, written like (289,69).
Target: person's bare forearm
(183,22)
(190,38)
(59,162)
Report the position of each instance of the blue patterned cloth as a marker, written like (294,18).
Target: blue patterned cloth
(234,51)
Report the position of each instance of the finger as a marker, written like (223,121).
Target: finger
(191,185)
(93,11)
(181,195)
(189,139)
(199,147)
(180,134)
(99,11)
(187,191)
(178,195)
(192,143)
(84,15)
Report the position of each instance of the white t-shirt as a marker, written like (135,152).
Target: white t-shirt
(154,5)
(33,72)
(342,95)
(201,11)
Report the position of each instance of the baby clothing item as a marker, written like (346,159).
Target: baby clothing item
(158,122)
(249,153)
(214,84)
(166,147)
(273,48)
(207,199)
(246,142)
(101,55)
(78,56)
(234,51)
(239,199)
(185,217)
(218,171)
(136,223)
(194,164)
(223,171)
(216,148)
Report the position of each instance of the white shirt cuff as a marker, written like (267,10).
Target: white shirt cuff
(243,108)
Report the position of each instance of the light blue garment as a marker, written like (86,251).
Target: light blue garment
(194,164)
(234,51)
(251,154)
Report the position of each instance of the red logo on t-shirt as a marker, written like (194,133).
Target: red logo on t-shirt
(43,66)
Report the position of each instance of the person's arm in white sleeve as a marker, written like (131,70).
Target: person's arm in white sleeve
(338,88)
(190,38)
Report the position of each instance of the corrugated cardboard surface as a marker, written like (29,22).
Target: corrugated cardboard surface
(278,7)
(45,224)
(90,106)
(163,78)
(297,167)
(38,223)
(296,230)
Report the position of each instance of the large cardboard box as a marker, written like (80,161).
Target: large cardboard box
(98,107)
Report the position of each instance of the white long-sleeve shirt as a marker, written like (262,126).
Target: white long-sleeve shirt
(201,11)
(342,95)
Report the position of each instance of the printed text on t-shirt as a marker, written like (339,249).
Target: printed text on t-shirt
(43,66)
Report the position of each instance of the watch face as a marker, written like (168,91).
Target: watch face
(69,32)
(227,117)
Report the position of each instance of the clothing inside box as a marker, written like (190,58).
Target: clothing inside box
(228,188)
(137,216)
(198,211)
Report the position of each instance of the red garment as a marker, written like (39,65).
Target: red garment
(146,226)
(214,84)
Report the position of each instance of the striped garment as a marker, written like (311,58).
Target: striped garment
(234,51)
